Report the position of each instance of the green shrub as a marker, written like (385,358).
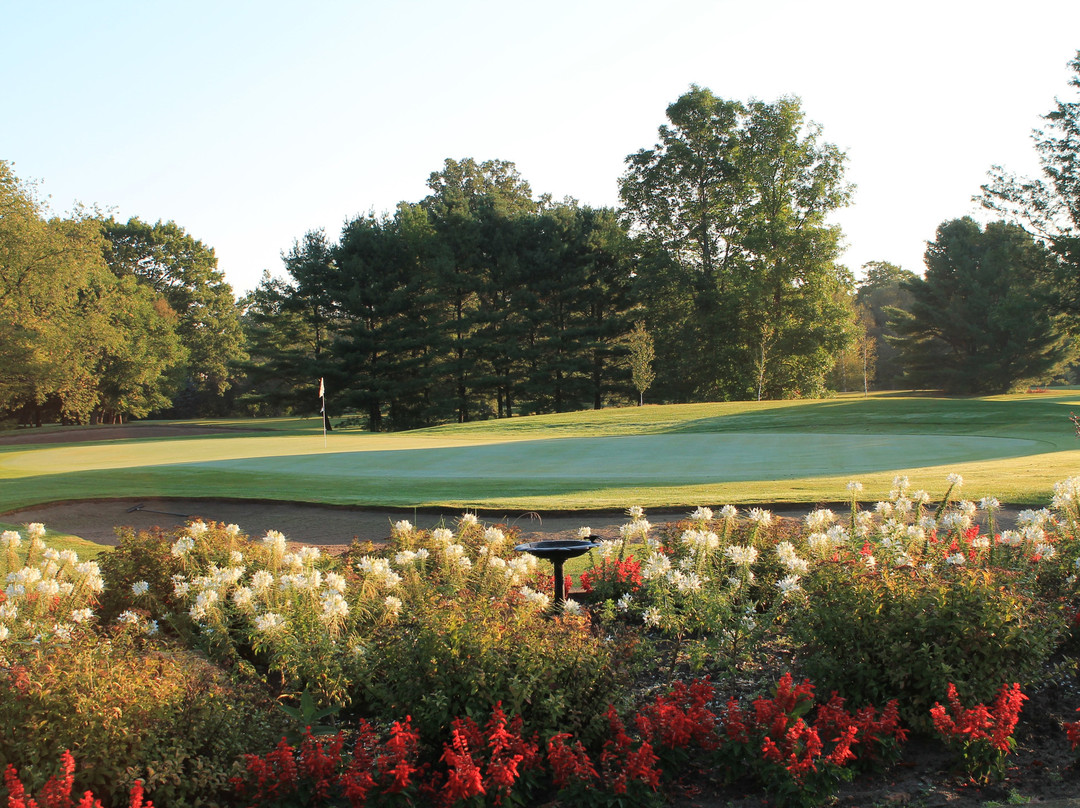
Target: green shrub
(909,633)
(459,656)
(160,713)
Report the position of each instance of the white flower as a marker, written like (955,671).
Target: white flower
(68,557)
(741,555)
(10,538)
(48,588)
(788,585)
(442,536)
(262,580)
(980,542)
(35,530)
(655,566)
(954,480)
(269,622)
(819,520)
(468,519)
(584,533)
(571,607)
(393,605)
(1010,538)
(883,508)
(760,517)
(292,561)
(728,513)
(196,529)
(623,604)
(4,632)
(242,596)
(275,541)
(1044,550)
(854,486)
(182,546)
(334,581)
(232,530)
(652,616)
(494,537)
(956,559)
(635,512)
(334,606)
(700,541)
(1033,518)
(989,503)
(607,547)
(139,588)
(151,628)
(638,529)
(404,526)
(236,557)
(870,562)
(702,514)
(128,617)
(535,598)
(8,611)
(900,482)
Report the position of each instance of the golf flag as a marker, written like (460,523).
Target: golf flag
(322,395)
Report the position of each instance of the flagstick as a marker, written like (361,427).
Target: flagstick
(322,410)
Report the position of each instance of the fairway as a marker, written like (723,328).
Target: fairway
(1014,447)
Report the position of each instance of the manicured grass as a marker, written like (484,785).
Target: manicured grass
(87,550)
(1014,447)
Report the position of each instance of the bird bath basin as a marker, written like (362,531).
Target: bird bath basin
(557,551)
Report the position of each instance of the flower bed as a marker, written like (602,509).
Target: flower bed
(438,671)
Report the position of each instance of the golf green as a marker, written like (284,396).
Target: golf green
(659,459)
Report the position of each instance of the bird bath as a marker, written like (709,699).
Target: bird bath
(557,551)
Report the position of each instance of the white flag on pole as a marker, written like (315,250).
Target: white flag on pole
(322,395)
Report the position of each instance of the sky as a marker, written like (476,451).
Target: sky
(249,124)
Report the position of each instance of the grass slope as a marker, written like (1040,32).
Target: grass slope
(1014,447)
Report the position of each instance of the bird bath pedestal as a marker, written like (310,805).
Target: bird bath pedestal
(557,551)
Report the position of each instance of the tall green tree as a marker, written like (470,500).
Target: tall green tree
(1049,206)
(184,271)
(76,342)
(738,197)
(884,286)
(980,320)
(471,209)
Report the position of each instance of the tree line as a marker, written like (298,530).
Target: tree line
(716,278)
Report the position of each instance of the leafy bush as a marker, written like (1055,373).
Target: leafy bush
(458,656)
(908,634)
(156,713)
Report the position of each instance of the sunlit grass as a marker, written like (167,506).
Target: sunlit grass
(87,550)
(1014,447)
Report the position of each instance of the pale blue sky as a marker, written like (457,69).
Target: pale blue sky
(250,123)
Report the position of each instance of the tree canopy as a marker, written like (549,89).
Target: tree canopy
(737,198)
(77,343)
(980,321)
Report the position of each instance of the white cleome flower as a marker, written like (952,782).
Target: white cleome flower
(140,588)
(35,530)
(954,480)
(584,533)
(956,559)
(10,539)
(652,616)
(854,486)
(760,517)
(196,529)
(128,617)
(269,622)
(741,555)
(182,546)
(701,514)
(788,585)
(571,607)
